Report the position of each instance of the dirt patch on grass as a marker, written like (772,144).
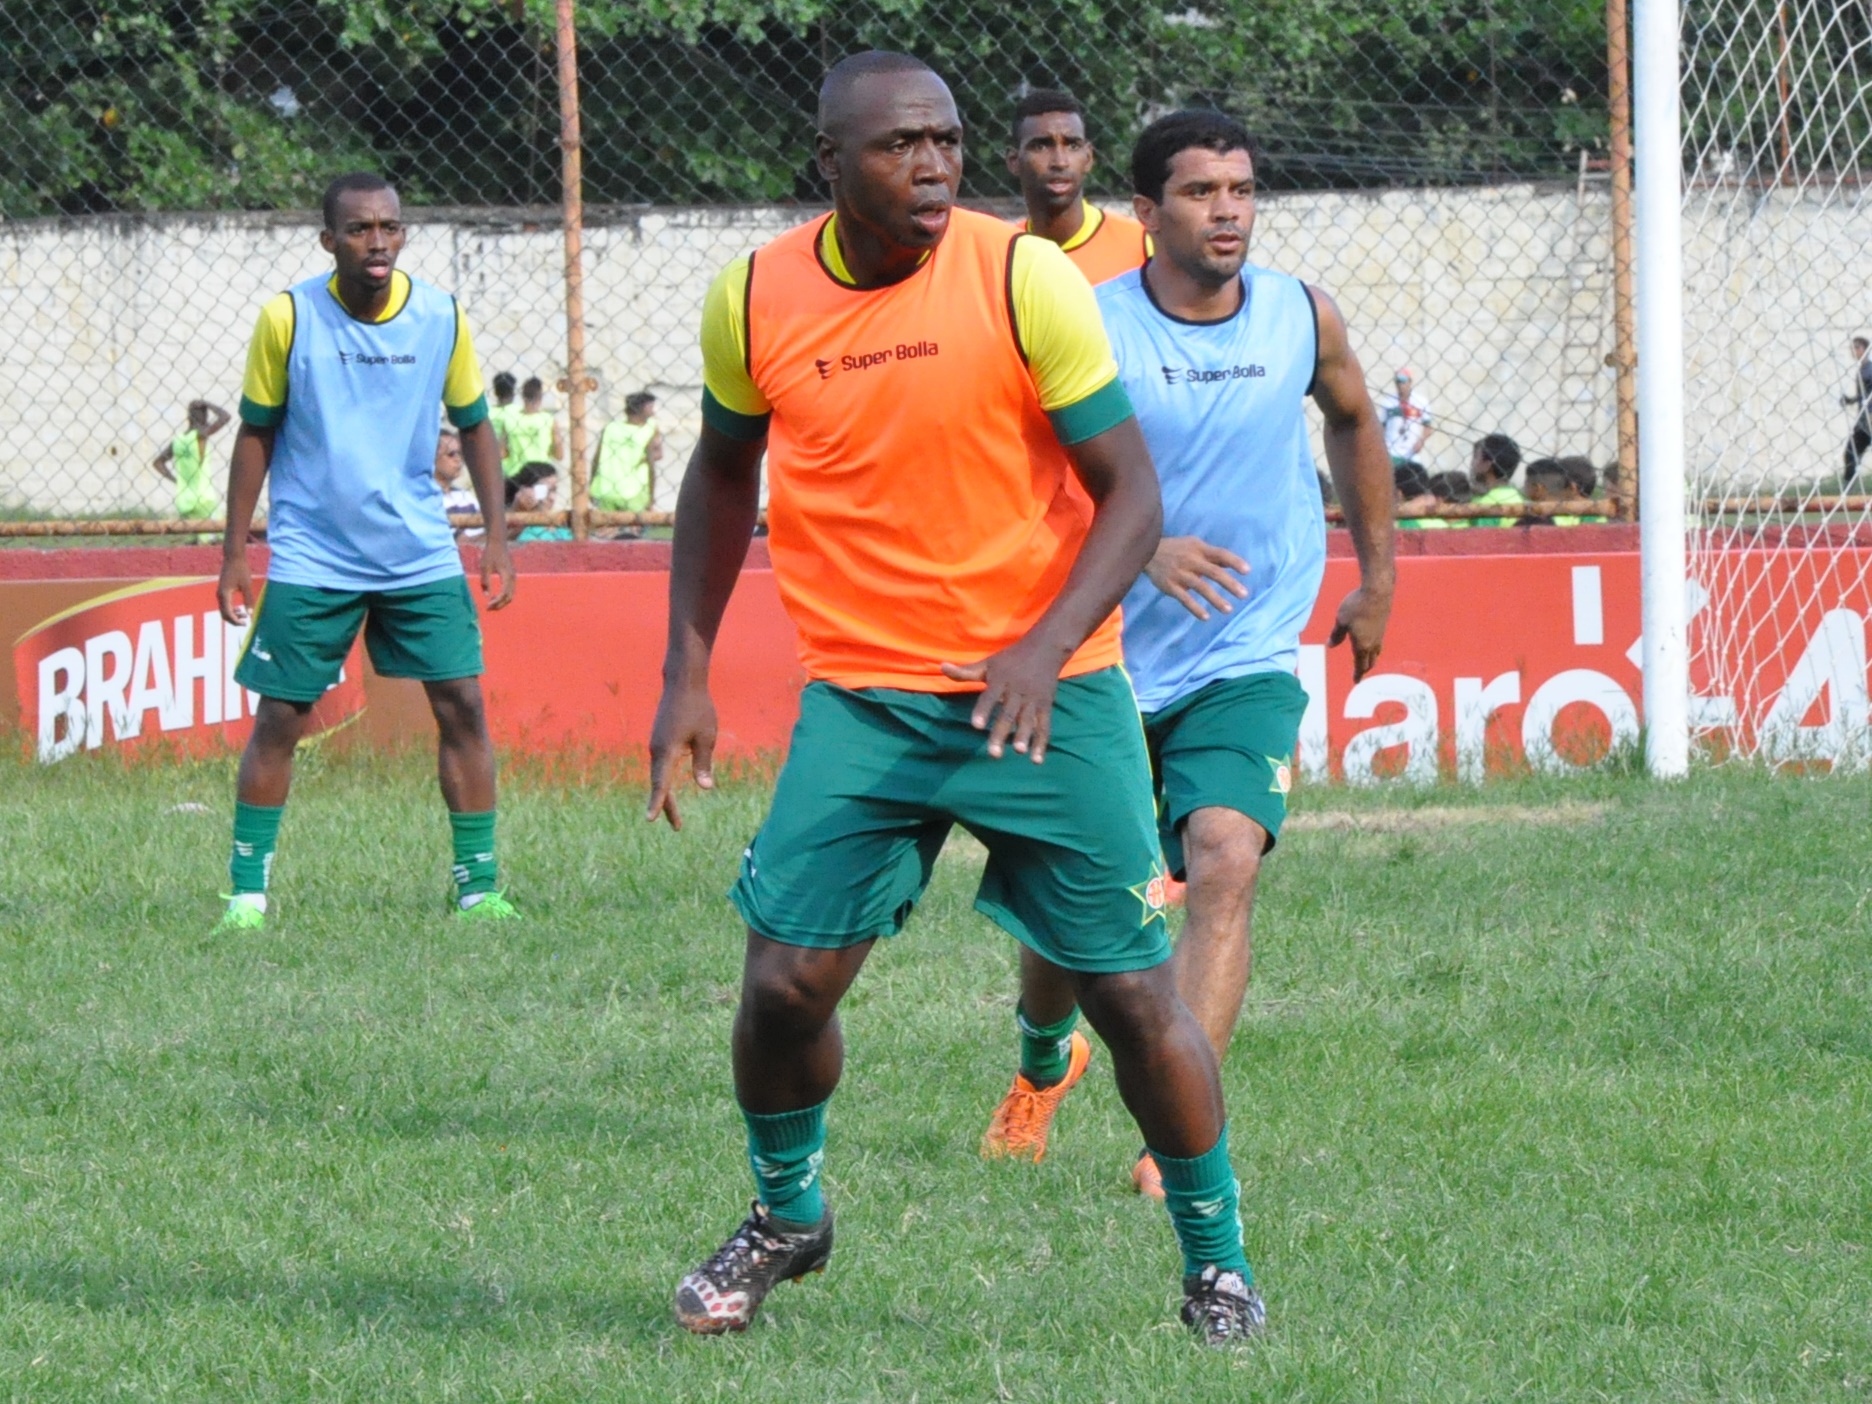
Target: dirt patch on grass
(1432,817)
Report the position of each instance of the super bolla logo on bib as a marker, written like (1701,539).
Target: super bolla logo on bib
(871,360)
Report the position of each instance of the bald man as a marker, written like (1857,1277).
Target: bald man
(927,384)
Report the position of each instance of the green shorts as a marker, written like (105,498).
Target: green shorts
(1229,744)
(300,635)
(877,777)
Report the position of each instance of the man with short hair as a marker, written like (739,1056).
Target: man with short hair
(499,414)
(1861,395)
(533,430)
(1492,465)
(344,378)
(1219,356)
(1051,157)
(628,451)
(457,501)
(926,385)
(1406,419)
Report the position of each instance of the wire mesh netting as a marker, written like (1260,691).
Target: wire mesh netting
(1777,241)
(1436,165)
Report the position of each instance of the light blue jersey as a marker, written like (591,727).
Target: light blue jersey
(1220,404)
(353,500)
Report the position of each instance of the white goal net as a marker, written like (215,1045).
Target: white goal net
(1777,129)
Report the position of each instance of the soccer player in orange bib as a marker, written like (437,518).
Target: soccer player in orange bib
(926,383)
(1051,157)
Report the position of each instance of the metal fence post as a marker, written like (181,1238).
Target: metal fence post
(1624,357)
(574,216)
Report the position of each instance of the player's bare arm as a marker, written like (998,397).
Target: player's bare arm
(1019,682)
(1189,570)
(481,453)
(253,452)
(1361,472)
(715,514)
(161,463)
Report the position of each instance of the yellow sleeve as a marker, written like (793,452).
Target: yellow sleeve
(263,387)
(731,401)
(1057,318)
(463,394)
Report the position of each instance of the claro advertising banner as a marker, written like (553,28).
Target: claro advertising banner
(1491,664)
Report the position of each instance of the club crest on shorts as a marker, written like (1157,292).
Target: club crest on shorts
(1153,894)
(1283,778)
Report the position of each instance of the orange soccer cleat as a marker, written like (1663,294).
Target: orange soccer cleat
(1146,1178)
(1020,1124)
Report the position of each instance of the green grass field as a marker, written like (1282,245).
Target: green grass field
(1572,1103)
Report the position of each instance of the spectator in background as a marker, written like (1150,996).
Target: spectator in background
(457,500)
(1492,466)
(1544,480)
(1407,422)
(1582,480)
(1453,488)
(532,489)
(533,430)
(185,462)
(499,415)
(1861,395)
(629,449)
(1413,495)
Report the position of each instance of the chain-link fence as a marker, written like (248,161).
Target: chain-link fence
(1438,165)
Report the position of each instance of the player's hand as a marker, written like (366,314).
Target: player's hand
(236,579)
(1362,618)
(685,723)
(1016,702)
(496,560)
(1189,570)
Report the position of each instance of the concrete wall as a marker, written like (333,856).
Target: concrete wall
(1499,300)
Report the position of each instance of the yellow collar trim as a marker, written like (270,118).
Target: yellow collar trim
(399,295)
(1094,217)
(834,257)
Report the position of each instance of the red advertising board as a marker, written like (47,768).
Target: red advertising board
(147,663)
(1492,663)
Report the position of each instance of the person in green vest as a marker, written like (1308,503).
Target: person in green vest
(1492,467)
(503,410)
(532,431)
(628,451)
(185,461)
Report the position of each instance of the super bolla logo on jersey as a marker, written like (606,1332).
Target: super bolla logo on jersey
(1189,375)
(359,358)
(828,366)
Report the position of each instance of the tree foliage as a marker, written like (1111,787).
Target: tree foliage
(252,104)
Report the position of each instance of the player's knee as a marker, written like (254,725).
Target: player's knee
(1130,1009)
(459,712)
(785,1001)
(1223,849)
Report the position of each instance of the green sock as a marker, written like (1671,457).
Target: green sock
(785,1152)
(474,852)
(1204,1199)
(1045,1049)
(256,831)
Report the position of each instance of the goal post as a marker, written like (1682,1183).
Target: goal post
(1661,480)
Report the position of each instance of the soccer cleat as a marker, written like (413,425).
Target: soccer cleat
(724,1293)
(239,917)
(1221,1308)
(1020,1124)
(493,907)
(1146,1178)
